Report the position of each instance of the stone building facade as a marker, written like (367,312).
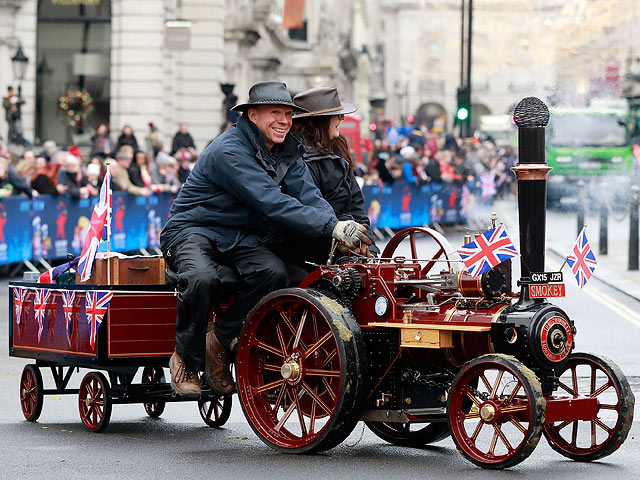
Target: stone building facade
(136,66)
(512,55)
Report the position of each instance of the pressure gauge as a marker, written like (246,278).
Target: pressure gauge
(381,306)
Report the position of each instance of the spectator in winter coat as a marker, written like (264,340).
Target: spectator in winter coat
(183,139)
(11,182)
(127,138)
(101,143)
(121,179)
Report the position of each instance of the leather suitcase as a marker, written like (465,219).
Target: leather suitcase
(127,271)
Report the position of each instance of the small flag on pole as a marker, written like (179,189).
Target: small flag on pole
(100,219)
(581,259)
(487,250)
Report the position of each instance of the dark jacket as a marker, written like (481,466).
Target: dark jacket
(237,190)
(20,185)
(339,187)
(182,140)
(127,140)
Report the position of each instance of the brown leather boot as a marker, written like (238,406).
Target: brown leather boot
(184,382)
(217,371)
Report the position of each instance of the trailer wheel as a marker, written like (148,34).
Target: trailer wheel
(153,375)
(505,421)
(301,371)
(410,434)
(587,440)
(435,249)
(31,392)
(215,411)
(94,401)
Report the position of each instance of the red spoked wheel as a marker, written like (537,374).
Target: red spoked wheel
(31,392)
(215,411)
(428,246)
(94,400)
(301,371)
(587,440)
(153,375)
(410,434)
(503,425)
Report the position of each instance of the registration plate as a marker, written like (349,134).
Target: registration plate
(546,290)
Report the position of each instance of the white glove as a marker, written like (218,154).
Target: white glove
(351,233)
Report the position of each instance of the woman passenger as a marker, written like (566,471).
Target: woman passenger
(327,156)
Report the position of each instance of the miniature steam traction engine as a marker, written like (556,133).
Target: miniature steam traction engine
(421,349)
(418,349)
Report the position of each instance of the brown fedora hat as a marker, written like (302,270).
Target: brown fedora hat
(321,101)
(268,93)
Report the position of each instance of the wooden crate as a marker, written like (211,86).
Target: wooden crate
(127,271)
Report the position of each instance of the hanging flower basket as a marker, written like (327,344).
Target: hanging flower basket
(74,106)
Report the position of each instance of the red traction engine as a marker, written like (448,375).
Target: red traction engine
(420,350)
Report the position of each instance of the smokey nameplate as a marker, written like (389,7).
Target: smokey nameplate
(545,291)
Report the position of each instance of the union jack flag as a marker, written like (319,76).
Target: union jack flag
(19,301)
(100,218)
(95,308)
(68,301)
(582,260)
(487,250)
(40,305)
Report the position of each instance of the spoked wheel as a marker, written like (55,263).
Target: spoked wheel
(410,434)
(432,250)
(153,375)
(215,411)
(301,371)
(505,421)
(94,400)
(586,440)
(31,393)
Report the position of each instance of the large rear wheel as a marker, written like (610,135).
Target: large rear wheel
(301,371)
(586,440)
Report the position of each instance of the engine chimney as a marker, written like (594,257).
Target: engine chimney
(531,115)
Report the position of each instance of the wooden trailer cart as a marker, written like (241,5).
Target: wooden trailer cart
(113,330)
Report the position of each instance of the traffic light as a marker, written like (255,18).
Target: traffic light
(464,105)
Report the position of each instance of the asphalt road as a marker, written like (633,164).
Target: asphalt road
(179,445)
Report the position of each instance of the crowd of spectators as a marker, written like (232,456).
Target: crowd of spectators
(478,170)
(481,170)
(53,170)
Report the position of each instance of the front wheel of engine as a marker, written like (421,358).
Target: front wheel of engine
(505,421)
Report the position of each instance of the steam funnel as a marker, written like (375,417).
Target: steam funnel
(532,115)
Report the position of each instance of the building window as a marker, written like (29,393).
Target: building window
(299,34)
(73,51)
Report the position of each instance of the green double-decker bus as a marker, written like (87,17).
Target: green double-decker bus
(592,145)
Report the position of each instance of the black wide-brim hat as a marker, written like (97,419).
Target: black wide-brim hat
(322,101)
(268,93)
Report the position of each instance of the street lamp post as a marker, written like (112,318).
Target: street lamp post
(19,63)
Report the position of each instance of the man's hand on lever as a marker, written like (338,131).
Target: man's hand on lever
(352,234)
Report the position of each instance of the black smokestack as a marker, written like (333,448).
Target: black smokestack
(532,115)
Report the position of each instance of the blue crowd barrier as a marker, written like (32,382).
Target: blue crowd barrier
(51,227)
